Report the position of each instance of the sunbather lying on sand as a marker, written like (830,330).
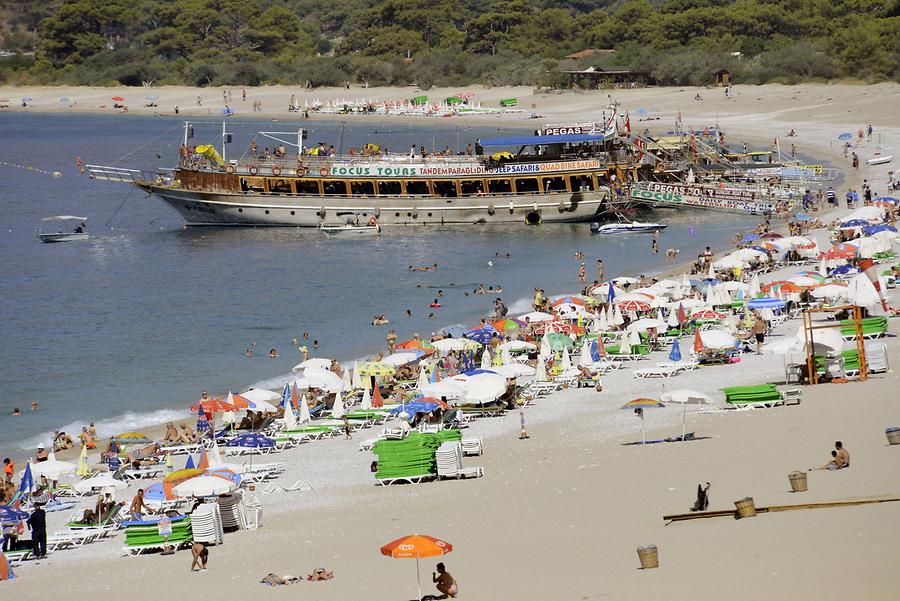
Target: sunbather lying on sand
(320,574)
(143,454)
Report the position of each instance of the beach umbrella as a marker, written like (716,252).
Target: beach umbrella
(624,280)
(675,353)
(483,388)
(647,323)
(536,317)
(624,345)
(632,305)
(418,546)
(377,401)
(617,317)
(708,314)
(566,362)
(755,289)
(251,440)
(27,482)
(212,406)
(304,411)
(415,406)
(450,389)
(541,372)
(672,318)
(518,346)
(11,515)
(355,379)
(206,485)
(345,380)
(445,345)
(189,463)
(131,438)
(717,339)
(415,345)
(422,380)
(638,406)
(454,331)
(833,291)
(805,281)
(685,397)
(485,359)
(397,359)
(515,370)
(52,468)
(507,325)
(766,302)
(314,377)
(289,419)
(585,357)
(314,362)
(634,338)
(557,341)
(288,397)
(482,335)
(82,470)
(505,356)
(698,343)
(366,403)
(337,409)
(845,136)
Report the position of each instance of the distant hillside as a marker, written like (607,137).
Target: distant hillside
(448,42)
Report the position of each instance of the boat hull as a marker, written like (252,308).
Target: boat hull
(222,208)
(63,237)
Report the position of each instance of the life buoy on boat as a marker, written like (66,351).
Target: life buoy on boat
(660,167)
(229,168)
(195,166)
(253,169)
(276,170)
(301,169)
(372,222)
(324,171)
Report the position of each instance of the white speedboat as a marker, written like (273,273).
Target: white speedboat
(627,227)
(351,228)
(880,160)
(78,233)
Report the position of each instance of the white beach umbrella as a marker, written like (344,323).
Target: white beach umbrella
(755,289)
(601,291)
(315,362)
(255,395)
(304,411)
(672,319)
(355,380)
(711,273)
(445,388)
(541,372)
(485,359)
(337,409)
(346,383)
(204,486)
(289,419)
(367,400)
(422,380)
(566,362)
(624,279)
(545,347)
(585,357)
(685,397)
(315,377)
(515,370)
(505,356)
(484,388)
(717,339)
(215,455)
(603,321)
(624,345)
(446,345)
(783,346)
(518,345)
(100,481)
(398,359)
(861,292)
(53,469)
(617,317)
(824,341)
(634,337)
(646,323)
(536,317)
(734,286)
(834,291)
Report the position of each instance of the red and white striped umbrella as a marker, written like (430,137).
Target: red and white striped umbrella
(633,305)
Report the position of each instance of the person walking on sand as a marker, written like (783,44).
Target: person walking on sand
(446,584)
(759,331)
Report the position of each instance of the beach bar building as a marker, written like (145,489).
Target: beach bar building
(595,78)
(722,77)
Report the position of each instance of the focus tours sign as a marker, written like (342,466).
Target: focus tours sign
(716,204)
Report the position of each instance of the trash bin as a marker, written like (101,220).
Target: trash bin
(798,481)
(793,373)
(649,557)
(745,508)
(893,435)
(834,367)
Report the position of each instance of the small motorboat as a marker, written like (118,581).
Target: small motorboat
(351,227)
(78,233)
(880,160)
(627,227)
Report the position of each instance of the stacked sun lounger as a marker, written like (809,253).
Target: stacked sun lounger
(411,459)
(143,536)
(206,524)
(762,395)
(872,327)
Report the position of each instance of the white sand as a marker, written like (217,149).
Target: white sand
(561,514)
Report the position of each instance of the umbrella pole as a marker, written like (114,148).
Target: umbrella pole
(643,432)
(683,419)
(418,580)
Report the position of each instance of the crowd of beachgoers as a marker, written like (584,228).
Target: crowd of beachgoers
(721,311)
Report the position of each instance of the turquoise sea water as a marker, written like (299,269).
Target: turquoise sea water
(127,328)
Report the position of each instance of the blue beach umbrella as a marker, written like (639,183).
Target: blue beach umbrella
(454,331)
(595,351)
(803,217)
(413,407)
(881,227)
(27,482)
(886,199)
(750,237)
(854,223)
(189,464)
(610,292)
(286,396)
(842,269)
(482,335)
(675,353)
(202,422)
(475,372)
(766,302)
(251,440)
(845,136)
(11,515)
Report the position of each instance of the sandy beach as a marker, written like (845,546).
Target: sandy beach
(560,515)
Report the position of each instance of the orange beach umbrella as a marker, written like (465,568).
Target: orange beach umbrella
(416,545)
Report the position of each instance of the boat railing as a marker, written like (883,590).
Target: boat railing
(128,176)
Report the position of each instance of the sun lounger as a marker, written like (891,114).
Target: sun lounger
(413,479)
(656,372)
(472,446)
(872,327)
(142,473)
(70,539)
(16,557)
